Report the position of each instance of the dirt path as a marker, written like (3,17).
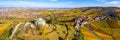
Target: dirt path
(14,31)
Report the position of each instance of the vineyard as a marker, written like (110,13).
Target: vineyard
(60,25)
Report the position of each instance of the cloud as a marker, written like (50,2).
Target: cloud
(17,4)
(113,2)
(53,0)
(36,4)
(101,0)
(106,0)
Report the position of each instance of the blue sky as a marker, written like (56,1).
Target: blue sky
(59,3)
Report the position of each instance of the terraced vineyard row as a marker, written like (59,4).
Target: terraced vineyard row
(107,30)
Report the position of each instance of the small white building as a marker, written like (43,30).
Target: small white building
(41,21)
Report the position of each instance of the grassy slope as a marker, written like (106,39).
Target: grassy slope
(5,25)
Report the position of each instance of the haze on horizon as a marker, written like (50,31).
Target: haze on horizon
(59,3)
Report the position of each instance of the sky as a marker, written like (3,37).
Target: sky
(59,3)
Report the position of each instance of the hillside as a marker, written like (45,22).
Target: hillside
(59,24)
